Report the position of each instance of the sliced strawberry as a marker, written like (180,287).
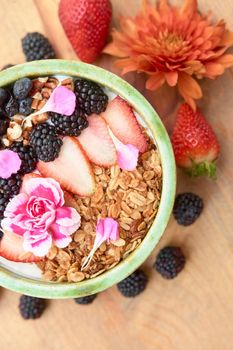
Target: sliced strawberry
(71,169)
(120,117)
(28,177)
(97,142)
(11,248)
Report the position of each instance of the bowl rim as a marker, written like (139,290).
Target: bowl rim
(51,290)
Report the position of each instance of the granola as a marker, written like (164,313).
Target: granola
(130,197)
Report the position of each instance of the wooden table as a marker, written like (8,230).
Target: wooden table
(192,312)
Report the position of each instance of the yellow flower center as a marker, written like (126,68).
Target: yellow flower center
(170,43)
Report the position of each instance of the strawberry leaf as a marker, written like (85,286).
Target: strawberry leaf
(202,169)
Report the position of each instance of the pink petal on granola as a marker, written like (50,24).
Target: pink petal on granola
(62,101)
(106,229)
(45,188)
(10,163)
(127,155)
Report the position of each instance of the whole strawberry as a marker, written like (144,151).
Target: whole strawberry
(194,143)
(86,23)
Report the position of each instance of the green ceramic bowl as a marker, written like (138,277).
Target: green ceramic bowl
(39,288)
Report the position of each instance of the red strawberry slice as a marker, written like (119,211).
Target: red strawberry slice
(194,143)
(97,143)
(28,177)
(11,248)
(86,24)
(71,169)
(120,117)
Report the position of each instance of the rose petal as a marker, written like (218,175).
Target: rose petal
(107,228)
(62,242)
(45,188)
(62,101)
(67,216)
(8,225)
(10,163)
(127,155)
(61,235)
(44,221)
(16,205)
(64,230)
(37,247)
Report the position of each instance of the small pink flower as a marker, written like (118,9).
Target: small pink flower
(39,215)
(10,163)
(62,100)
(127,155)
(106,229)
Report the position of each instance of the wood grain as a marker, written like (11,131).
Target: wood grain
(194,311)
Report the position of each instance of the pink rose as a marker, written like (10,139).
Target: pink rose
(39,215)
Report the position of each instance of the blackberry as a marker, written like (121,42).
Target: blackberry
(3,96)
(30,307)
(4,123)
(45,142)
(11,107)
(90,96)
(11,186)
(169,262)
(37,47)
(4,200)
(21,88)
(69,125)
(1,234)
(25,106)
(85,300)
(133,285)
(27,155)
(187,208)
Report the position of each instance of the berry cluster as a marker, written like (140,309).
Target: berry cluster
(90,98)
(133,285)
(69,125)
(37,47)
(169,262)
(44,140)
(85,300)
(187,208)
(12,101)
(30,307)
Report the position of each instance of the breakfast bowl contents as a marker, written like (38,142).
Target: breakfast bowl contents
(87,179)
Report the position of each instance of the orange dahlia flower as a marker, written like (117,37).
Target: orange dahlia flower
(171,45)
